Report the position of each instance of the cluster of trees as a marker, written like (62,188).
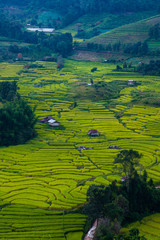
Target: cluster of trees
(137,49)
(17,118)
(118,205)
(107,91)
(132,235)
(154,32)
(58,43)
(152,68)
(100,47)
(148,97)
(8,91)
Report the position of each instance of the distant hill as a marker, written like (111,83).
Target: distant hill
(71,10)
(129,33)
(90,25)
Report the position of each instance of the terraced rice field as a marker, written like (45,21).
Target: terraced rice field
(49,173)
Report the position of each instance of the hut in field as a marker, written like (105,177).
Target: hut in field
(114,147)
(84,148)
(51,121)
(131,82)
(46,119)
(93,132)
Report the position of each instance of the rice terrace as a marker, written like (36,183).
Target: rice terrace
(79,120)
(49,173)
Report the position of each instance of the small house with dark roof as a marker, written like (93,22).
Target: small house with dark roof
(93,132)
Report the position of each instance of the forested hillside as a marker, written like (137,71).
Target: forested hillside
(91,5)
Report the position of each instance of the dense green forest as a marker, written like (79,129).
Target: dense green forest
(92,6)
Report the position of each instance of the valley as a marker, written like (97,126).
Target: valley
(51,161)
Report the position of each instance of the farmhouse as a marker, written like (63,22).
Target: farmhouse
(84,148)
(93,132)
(114,147)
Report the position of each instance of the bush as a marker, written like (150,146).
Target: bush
(94,69)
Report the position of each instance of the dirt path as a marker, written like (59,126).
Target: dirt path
(91,232)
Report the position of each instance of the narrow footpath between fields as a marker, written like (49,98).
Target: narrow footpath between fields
(91,232)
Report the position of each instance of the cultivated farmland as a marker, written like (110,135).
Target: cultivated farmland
(149,226)
(49,173)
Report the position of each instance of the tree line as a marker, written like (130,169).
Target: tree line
(138,49)
(152,68)
(90,6)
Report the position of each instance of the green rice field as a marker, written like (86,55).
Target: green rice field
(48,173)
(149,227)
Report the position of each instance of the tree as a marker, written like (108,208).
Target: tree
(97,197)
(127,158)
(124,65)
(91,80)
(94,69)
(154,32)
(17,120)
(8,91)
(104,230)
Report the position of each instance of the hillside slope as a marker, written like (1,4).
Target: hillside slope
(90,24)
(129,33)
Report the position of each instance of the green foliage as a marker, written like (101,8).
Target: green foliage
(128,158)
(101,203)
(132,235)
(154,32)
(103,230)
(136,49)
(58,43)
(142,197)
(94,69)
(153,68)
(17,122)
(148,97)
(91,6)
(33,65)
(8,91)
(109,90)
